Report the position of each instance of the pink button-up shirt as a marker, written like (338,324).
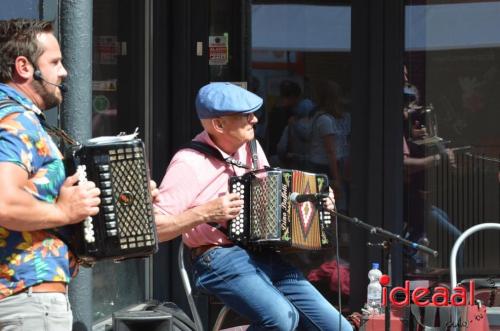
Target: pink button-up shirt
(194,178)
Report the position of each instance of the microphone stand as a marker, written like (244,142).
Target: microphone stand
(391,237)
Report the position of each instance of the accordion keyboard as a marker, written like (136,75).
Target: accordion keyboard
(237,227)
(88,224)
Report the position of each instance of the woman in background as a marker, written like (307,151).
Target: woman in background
(329,148)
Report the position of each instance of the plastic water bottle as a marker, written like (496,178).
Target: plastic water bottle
(374,293)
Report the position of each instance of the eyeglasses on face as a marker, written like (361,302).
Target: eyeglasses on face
(249,117)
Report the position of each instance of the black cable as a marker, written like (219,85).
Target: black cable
(334,213)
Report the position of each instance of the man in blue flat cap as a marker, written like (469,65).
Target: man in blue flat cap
(194,201)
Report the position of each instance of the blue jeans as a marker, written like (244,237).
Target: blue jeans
(441,218)
(260,286)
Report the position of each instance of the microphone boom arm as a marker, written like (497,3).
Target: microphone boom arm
(386,234)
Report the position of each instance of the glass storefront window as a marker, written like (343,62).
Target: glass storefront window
(451,117)
(115,285)
(301,67)
(25,8)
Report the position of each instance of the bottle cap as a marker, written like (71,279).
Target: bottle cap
(375,265)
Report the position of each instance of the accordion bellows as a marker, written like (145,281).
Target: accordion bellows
(124,227)
(269,218)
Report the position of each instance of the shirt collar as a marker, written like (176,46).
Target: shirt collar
(7,91)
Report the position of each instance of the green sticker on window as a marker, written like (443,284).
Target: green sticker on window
(100,103)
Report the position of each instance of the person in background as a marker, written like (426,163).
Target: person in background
(330,147)
(194,195)
(290,96)
(294,145)
(418,207)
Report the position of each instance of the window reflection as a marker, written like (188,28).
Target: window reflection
(116,285)
(451,126)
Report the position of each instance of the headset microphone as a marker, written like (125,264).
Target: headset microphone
(38,76)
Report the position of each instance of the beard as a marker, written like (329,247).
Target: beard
(50,100)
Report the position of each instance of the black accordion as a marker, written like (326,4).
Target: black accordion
(124,227)
(269,218)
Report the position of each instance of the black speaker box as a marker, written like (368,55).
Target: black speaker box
(153,316)
(142,320)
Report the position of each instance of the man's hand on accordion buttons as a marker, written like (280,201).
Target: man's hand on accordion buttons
(223,208)
(76,202)
(330,201)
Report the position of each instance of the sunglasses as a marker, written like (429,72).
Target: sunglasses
(249,117)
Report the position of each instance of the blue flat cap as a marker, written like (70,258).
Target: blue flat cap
(219,99)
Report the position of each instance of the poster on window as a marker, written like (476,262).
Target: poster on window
(107,48)
(217,50)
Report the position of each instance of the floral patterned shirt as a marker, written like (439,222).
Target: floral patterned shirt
(28,258)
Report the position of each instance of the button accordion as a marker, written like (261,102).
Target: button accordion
(269,218)
(124,227)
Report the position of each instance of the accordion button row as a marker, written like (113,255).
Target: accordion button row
(103,167)
(110,225)
(237,226)
(88,230)
(125,150)
(238,222)
(107,200)
(133,242)
(125,154)
(105,176)
(88,225)
(327,218)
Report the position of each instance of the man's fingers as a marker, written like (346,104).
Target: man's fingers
(93,211)
(95,201)
(234,212)
(96,192)
(236,203)
(89,185)
(152,185)
(71,180)
(233,196)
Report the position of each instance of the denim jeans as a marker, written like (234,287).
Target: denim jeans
(440,217)
(35,312)
(260,286)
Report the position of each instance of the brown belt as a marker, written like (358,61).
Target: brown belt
(198,251)
(49,287)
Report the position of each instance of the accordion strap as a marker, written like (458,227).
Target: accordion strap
(50,128)
(255,156)
(215,153)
